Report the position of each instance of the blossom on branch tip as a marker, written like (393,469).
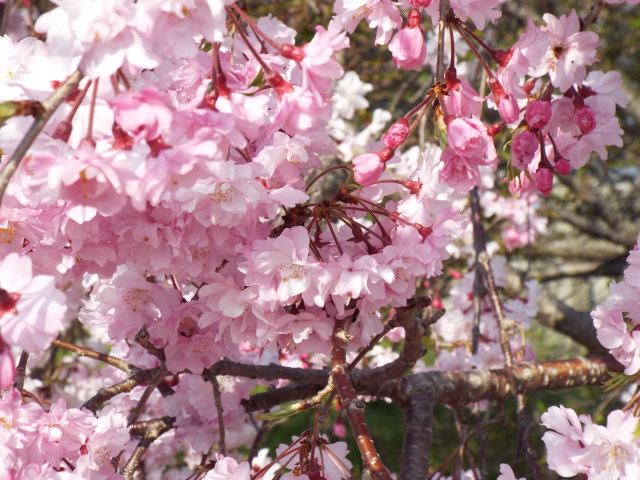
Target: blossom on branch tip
(408,45)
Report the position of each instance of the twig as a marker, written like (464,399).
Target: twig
(151,386)
(442,25)
(353,406)
(218,399)
(152,432)
(142,339)
(483,263)
(49,106)
(391,324)
(106,393)
(4,21)
(21,371)
(593,15)
(103,357)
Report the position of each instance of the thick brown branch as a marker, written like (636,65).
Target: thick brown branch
(106,393)
(412,350)
(573,323)
(461,388)
(266,372)
(417,431)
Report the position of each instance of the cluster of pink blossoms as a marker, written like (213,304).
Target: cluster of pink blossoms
(553,132)
(617,319)
(577,445)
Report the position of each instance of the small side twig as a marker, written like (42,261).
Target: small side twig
(151,386)
(152,431)
(49,106)
(103,357)
(218,399)
(106,393)
(21,371)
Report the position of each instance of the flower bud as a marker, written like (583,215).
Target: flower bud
(585,119)
(544,180)
(508,108)
(408,46)
(367,168)
(538,113)
(563,167)
(397,134)
(523,148)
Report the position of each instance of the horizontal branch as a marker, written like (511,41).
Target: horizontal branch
(461,388)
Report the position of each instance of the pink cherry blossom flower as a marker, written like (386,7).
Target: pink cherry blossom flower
(32,309)
(468,138)
(105,36)
(602,91)
(458,172)
(527,52)
(506,473)
(570,51)
(226,468)
(611,451)
(7,367)
(145,114)
(508,107)
(282,267)
(319,64)
(563,442)
(463,100)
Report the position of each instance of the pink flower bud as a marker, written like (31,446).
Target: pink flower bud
(420,3)
(585,119)
(367,168)
(506,103)
(563,167)
(339,430)
(397,134)
(544,180)
(538,113)
(408,47)
(523,148)
(508,108)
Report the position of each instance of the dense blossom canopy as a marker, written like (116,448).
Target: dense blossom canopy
(176,205)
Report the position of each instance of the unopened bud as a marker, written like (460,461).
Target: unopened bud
(538,114)
(397,134)
(563,167)
(585,119)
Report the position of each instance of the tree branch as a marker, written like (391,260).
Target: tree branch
(49,106)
